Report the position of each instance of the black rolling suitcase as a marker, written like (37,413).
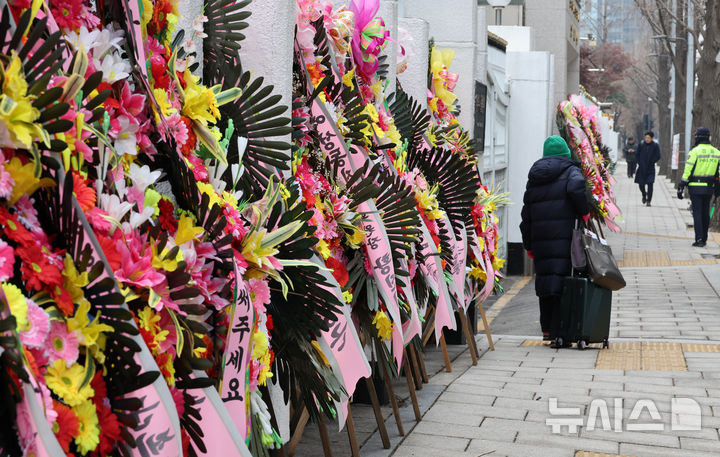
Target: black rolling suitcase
(584,314)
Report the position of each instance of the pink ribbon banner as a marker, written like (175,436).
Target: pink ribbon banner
(236,358)
(219,434)
(376,240)
(431,268)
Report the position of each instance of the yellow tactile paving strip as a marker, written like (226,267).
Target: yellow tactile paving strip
(657,259)
(670,237)
(645,259)
(646,356)
(696,347)
(597,454)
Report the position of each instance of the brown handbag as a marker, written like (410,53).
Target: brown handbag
(602,269)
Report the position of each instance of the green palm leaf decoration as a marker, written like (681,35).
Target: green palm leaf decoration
(301,316)
(411,118)
(59,214)
(257,117)
(457,178)
(226,20)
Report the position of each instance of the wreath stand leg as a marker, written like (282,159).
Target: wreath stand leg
(421,362)
(468,335)
(415,366)
(324,438)
(378,414)
(486,325)
(352,436)
(411,387)
(393,400)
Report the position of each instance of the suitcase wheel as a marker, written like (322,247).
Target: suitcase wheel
(606,344)
(581,345)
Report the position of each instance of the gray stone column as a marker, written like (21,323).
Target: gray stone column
(414,79)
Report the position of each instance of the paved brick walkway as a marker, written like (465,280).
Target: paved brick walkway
(665,345)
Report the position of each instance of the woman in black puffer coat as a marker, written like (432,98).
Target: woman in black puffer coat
(554,199)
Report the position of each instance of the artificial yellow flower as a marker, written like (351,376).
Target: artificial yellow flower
(355,238)
(93,332)
(259,344)
(159,260)
(347,78)
(65,382)
(254,253)
(24,176)
(18,305)
(498,263)
(17,115)
(432,104)
(371,112)
(377,89)
(88,436)
(200,104)
(348,297)
(146,13)
(383,325)
(162,100)
(73,281)
(187,230)
(323,249)
(478,273)
(208,190)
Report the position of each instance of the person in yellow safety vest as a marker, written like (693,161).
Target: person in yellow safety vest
(701,178)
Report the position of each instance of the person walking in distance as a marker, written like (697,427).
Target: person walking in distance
(701,178)
(555,198)
(629,151)
(648,154)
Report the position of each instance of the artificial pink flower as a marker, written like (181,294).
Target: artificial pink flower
(7,261)
(39,322)
(6,183)
(136,262)
(88,19)
(27,214)
(62,344)
(97,218)
(131,104)
(177,129)
(259,294)
(198,167)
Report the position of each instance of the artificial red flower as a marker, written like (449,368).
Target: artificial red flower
(110,431)
(159,20)
(37,272)
(66,425)
(98,385)
(111,253)
(167,218)
(67,13)
(191,142)
(84,193)
(338,270)
(14,229)
(158,68)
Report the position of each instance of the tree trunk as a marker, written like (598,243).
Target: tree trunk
(663,97)
(706,111)
(680,63)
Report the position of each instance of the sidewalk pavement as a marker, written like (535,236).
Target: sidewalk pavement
(665,345)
